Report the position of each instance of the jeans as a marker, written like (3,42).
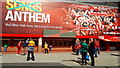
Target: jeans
(84,57)
(50,48)
(98,50)
(5,49)
(92,58)
(95,52)
(77,51)
(24,50)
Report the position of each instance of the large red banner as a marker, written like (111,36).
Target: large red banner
(19,17)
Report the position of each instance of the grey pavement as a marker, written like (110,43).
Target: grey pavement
(60,59)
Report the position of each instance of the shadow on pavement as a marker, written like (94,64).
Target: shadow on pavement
(115,54)
(77,61)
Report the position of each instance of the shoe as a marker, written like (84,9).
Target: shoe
(17,55)
(24,54)
(86,63)
(27,59)
(76,54)
(95,56)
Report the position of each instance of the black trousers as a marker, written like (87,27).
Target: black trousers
(84,57)
(92,58)
(32,54)
(77,51)
(46,50)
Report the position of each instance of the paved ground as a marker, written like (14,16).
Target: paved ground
(59,59)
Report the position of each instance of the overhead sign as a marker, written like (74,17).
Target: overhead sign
(110,38)
(30,12)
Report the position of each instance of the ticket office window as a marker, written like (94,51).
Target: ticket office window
(61,44)
(56,43)
(5,42)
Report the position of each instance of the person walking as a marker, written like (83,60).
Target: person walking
(31,50)
(78,49)
(91,51)
(84,50)
(5,47)
(97,46)
(50,47)
(24,48)
(95,50)
(78,46)
(46,48)
(19,46)
(25,44)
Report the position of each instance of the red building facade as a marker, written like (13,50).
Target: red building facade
(59,23)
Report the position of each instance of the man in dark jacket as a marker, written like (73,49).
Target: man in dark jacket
(25,44)
(24,48)
(91,51)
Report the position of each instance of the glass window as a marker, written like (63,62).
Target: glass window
(60,43)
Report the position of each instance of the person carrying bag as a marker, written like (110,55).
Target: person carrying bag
(84,51)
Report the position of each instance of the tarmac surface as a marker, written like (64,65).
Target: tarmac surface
(68,59)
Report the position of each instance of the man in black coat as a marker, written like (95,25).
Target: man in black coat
(91,51)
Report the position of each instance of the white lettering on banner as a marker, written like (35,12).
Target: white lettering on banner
(111,33)
(47,18)
(25,15)
(37,17)
(7,24)
(15,25)
(32,26)
(101,37)
(9,16)
(32,17)
(17,16)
